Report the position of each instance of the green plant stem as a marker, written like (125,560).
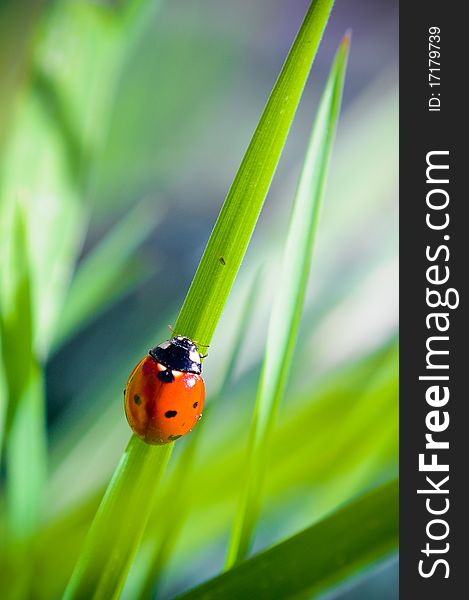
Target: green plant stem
(288,304)
(233,229)
(119,523)
(163,537)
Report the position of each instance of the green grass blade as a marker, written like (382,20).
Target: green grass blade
(16,310)
(225,250)
(161,538)
(25,445)
(308,563)
(3,397)
(119,523)
(288,303)
(100,574)
(26,457)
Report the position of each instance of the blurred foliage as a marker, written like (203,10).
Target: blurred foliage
(287,305)
(313,559)
(121,127)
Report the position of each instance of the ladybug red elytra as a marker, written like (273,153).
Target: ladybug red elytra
(165,393)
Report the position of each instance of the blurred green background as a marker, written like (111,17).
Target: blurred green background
(122,125)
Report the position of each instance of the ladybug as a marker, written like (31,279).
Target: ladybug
(165,393)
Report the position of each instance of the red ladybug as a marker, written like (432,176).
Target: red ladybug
(165,393)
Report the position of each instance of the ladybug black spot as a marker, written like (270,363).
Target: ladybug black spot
(169,414)
(137,399)
(166,376)
(195,405)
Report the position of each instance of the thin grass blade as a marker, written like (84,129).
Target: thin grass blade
(310,562)
(229,240)
(288,303)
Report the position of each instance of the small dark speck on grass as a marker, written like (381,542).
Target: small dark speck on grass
(222,260)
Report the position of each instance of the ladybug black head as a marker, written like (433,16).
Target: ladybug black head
(178,354)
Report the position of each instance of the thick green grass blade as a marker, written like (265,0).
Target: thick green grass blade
(308,563)
(161,538)
(225,250)
(119,523)
(25,446)
(16,319)
(26,457)
(100,573)
(3,397)
(288,303)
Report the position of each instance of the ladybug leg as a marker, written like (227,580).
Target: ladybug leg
(203,356)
